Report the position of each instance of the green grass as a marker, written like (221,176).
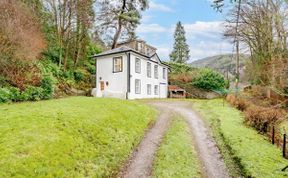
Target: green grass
(72,137)
(254,154)
(176,156)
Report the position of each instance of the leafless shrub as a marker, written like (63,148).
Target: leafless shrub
(262,118)
(21,43)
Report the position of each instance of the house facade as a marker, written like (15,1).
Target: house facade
(133,70)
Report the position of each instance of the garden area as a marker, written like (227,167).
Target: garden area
(72,137)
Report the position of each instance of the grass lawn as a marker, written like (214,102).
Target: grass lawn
(176,156)
(72,137)
(255,155)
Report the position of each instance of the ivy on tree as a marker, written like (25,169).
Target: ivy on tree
(180,53)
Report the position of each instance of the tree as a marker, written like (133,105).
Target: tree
(219,4)
(181,50)
(119,18)
(72,20)
(263,31)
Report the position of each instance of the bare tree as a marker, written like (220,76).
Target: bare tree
(262,29)
(72,20)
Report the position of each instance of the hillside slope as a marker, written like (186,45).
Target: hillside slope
(221,63)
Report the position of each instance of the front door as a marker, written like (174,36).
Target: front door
(163,90)
(102,85)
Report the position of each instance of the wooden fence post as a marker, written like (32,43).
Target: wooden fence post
(273,135)
(284,145)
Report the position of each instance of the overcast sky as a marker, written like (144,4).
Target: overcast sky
(203,26)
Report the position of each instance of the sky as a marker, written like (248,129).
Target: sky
(203,26)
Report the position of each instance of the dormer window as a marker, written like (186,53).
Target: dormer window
(139,46)
(148,51)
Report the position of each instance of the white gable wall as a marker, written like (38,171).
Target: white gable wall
(142,76)
(117,82)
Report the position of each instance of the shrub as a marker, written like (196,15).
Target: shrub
(47,85)
(91,68)
(67,75)
(209,80)
(242,104)
(33,93)
(4,95)
(79,75)
(179,68)
(262,118)
(15,94)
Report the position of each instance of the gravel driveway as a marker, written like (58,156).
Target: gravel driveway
(141,161)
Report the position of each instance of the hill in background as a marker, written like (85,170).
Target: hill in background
(225,64)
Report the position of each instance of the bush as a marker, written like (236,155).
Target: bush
(180,68)
(91,68)
(4,95)
(240,103)
(15,94)
(262,118)
(33,93)
(47,85)
(67,75)
(209,80)
(79,75)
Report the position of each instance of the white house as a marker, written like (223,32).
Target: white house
(133,70)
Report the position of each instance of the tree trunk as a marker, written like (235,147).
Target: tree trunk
(119,29)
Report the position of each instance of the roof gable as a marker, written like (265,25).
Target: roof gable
(155,58)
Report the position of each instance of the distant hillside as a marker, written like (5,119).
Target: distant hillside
(222,63)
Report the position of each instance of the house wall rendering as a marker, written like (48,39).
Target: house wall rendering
(114,83)
(133,70)
(153,84)
(148,78)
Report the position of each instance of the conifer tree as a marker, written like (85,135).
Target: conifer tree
(180,53)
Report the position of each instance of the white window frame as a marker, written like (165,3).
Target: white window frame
(164,73)
(138,65)
(137,87)
(156,71)
(149,89)
(117,66)
(156,90)
(139,46)
(149,69)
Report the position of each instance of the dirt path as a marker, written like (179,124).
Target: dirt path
(208,152)
(140,164)
(141,161)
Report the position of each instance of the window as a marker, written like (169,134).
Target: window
(148,69)
(139,46)
(164,73)
(117,64)
(156,71)
(149,89)
(156,90)
(138,66)
(137,86)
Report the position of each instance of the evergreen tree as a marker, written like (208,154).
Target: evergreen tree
(181,50)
